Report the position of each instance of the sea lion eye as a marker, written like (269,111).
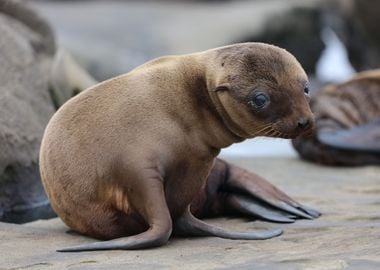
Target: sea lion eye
(259,101)
(306,90)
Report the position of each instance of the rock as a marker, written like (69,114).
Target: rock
(356,22)
(35,80)
(67,78)
(365,51)
(26,51)
(346,236)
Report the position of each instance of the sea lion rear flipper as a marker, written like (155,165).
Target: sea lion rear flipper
(188,225)
(362,138)
(265,200)
(251,193)
(234,190)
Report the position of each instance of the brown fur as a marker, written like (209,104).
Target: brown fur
(131,153)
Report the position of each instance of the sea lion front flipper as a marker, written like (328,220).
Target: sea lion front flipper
(188,225)
(148,239)
(157,216)
(362,138)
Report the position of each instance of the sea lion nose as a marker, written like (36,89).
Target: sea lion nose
(303,123)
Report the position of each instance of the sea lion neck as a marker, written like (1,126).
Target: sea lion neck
(211,75)
(196,85)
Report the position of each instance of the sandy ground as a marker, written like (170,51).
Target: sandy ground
(347,236)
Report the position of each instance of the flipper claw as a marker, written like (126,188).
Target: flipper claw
(293,210)
(310,211)
(258,209)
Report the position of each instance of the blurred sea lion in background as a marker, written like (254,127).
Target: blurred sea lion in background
(347,123)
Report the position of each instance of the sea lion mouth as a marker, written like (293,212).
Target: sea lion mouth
(278,130)
(270,130)
(282,135)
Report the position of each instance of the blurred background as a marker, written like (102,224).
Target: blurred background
(112,37)
(332,39)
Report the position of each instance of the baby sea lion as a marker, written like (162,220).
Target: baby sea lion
(126,158)
(347,123)
(228,188)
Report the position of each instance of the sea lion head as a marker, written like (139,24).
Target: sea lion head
(261,90)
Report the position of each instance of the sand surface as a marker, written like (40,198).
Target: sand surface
(347,236)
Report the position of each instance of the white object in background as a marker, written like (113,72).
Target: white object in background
(260,147)
(333,64)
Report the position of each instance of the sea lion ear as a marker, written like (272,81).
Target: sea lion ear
(222,87)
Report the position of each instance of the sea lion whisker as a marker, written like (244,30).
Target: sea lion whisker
(268,133)
(269,126)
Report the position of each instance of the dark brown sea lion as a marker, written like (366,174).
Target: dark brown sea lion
(126,158)
(347,123)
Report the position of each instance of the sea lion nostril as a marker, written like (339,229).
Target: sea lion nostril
(303,123)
